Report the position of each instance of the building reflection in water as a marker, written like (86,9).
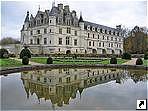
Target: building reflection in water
(61,85)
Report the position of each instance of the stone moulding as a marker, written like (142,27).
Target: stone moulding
(55,66)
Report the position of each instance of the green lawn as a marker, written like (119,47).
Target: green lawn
(75,61)
(9,63)
(145,62)
(41,60)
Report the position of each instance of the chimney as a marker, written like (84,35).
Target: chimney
(60,6)
(66,8)
(118,27)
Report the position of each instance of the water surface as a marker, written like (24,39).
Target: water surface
(75,89)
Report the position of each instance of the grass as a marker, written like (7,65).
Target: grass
(9,63)
(76,61)
(41,60)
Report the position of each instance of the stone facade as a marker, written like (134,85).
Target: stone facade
(60,31)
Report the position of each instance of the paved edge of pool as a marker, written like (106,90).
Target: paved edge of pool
(37,67)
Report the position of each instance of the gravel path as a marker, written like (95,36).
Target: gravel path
(131,62)
(30,62)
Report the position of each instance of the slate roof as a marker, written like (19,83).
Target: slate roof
(86,23)
(54,11)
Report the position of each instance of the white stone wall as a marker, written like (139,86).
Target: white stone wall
(53,36)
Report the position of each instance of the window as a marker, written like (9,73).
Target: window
(98,36)
(50,41)
(60,41)
(103,37)
(67,40)
(38,22)
(68,30)
(107,37)
(111,44)
(75,42)
(50,21)
(45,20)
(110,32)
(59,49)
(60,30)
(50,30)
(111,38)
(105,31)
(31,41)
(100,44)
(103,44)
(119,40)
(38,31)
(88,35)
(31,33)
(115,39)
(75,77)
(42,21)
(45,31)
(60,79)
(120,45)
(114,33)
(38,41)
(45,80)
(89,43)
(38,78)
(93,43)
(88,27)
(76,50)
(75,33)
(68,79)
(45,40)
(93,35)
(101,30)
(93,28)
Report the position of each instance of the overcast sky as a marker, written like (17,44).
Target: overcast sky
(109,13)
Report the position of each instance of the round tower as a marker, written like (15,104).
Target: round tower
(81,22)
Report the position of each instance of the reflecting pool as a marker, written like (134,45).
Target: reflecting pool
(73,89)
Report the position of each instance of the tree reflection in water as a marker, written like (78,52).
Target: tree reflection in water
(61,85)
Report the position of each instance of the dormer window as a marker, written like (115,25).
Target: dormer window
(98,29)
(105,31)
(88,27)
(110,32)
(93,28)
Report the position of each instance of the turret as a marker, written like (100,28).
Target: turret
(26,22)
(27,17)
(81,22)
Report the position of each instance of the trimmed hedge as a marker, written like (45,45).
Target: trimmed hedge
(146,56)
(113,60)
(139,61)
(126,56)
(25,52)
(49,60)
(25,60)
(4,53)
